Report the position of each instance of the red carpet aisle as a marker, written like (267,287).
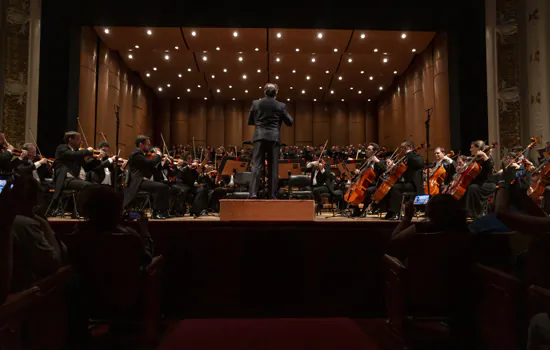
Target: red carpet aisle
(268,334)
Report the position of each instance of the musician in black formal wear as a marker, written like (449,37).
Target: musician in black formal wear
(267,114)
(188,181)
(6,167)
(27,163)
(410,181)
(141,174)
(322,181)
(104,172)
(379,167)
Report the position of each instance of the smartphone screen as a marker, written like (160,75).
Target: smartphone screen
(421,199)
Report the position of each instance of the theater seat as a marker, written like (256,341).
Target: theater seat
(13,314)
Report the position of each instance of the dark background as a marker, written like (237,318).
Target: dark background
(464,22)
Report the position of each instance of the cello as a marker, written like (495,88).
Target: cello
(392,175)
(356,192)
(470,171)
(436,177)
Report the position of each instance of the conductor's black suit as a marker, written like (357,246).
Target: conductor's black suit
(267,115)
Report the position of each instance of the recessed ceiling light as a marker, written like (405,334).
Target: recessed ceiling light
(297,50)
(218,91)
(106,31)
(313,59)
(380,88)
(137,46)
(213,76)
(413,50)
(288,99)
(178,97)
(385,54)
(160,89)
(240,59)
(340,78)
(368,100)
(246,91)
(130,50)
(327,72)
(320,88)
(235,34)
(303,91)
(193,33)
(176,47)
(257,49)
(231,87)
(308,77)
(259,70)
(359,92)
(149,32)
(320,35)
(130,56)
(332,91)
(385,60)
(167,85)
(259,87)
(342,100)
(371,77)
(218,48)
(314,100)
(180,75)
(394,72)
(375,50)
(335,50)
(166,57)
(362,72)
(363,36)
(278,59)
(233,98)
(279,35)
(199,86)
(294,71)
(225,70)
(188,69)
(403,36)
(204,58)
(244,76)
(350,60)
(276,77)
(148,74)
(188,90)
(292,87)
(351,88)
(206,98)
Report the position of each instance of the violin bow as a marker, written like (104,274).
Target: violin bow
(194,150)
(82,130)
(35,143)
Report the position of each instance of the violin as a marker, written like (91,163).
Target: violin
(436,177)
(16,152)
(457,188)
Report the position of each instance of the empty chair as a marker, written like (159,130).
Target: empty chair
(302,183)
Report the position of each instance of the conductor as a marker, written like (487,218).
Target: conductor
(267,114)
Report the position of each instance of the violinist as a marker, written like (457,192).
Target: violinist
(103,173)
(379,168)
(6,155)
(322,180)
(141,177)
(189,183)
(410,181)
(544,153)
(27,164)
(481,187)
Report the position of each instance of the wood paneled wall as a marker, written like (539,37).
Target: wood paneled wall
(402,108)
(218,123)
(116,85)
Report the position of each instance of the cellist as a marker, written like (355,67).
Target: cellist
(441,159)
(379,168)
(481,187)
(410,181)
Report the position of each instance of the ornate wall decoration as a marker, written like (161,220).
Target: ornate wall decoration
(15,70)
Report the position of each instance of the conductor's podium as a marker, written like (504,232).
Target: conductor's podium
(266,210)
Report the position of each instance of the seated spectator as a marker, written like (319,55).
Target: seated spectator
(36,251)
(7,205)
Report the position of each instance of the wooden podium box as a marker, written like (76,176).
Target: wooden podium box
(266,210)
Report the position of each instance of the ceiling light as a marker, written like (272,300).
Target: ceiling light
(276,77)
(413,50)
(244,76)
(240,59)
(320,35)
(297,50)
(320,88)
(233,98)
(350,60)
(403,36)
(385,60)
(313,59)
(394,72)
(130,56)
(279,35)
(148,75)
(363,36)
(342,100)
(193,33)
(340,78)
(246,91)
(385,54)
(188,69)
(137,46)
(278,59)
(259,87)
(175,47)
(371,77)
(308,77)
(292,87)
(327,72)
(225,70)
(206,98)
(259,70)
(178,97)
(362,72)
(106,31)
(351,88)
(257,49)
(235,34)
(335,50)
(314,100)
(230,86)
(218,48)
(368,100)
(213,76)
(204,58)
(188,90)
(218,91)
(359,92)
(166,57)
(168,85)
(332,91)
(130,50)
(199,86)
(149,32)
(294,71)
(288,99)
(380,88)
(160,89)
(375,50)
(303,91)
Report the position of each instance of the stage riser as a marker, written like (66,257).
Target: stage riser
(267,210)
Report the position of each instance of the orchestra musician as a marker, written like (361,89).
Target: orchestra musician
(410,181)
(141,177)
(481,187)
(27,163)
(267,114)
(104,172)
(189,183)
(379,168)
(5,155)
(322,181)
(441,159)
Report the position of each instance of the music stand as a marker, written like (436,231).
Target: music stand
(347,168)
(289,167)
(233,164)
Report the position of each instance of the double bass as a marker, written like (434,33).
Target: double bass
(436,176)
(392,175)
(457,188)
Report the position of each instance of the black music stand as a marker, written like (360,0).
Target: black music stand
(289,167)
(230,165)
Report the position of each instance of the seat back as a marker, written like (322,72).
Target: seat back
(300,181)
(500,309)
(396,274)
(242,179)
(538,262)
